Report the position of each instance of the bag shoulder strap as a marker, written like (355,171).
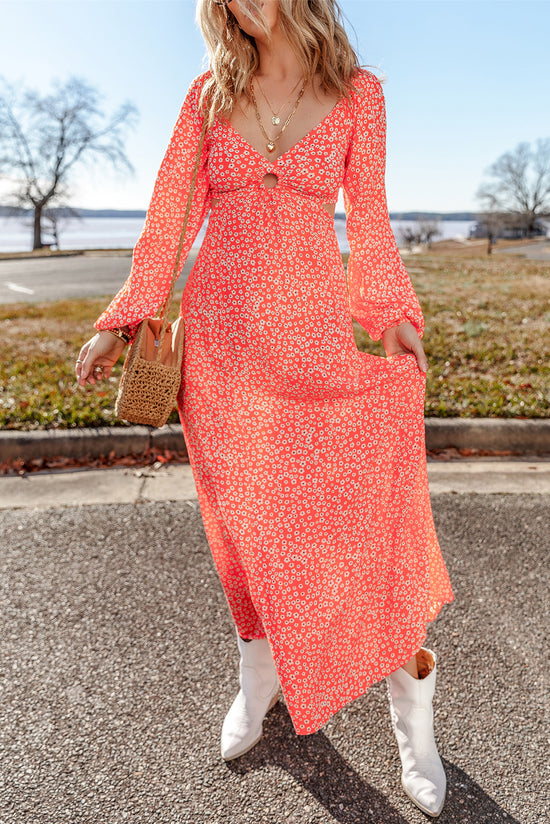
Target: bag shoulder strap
(163,312)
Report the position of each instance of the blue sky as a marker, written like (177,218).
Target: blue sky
(466,81)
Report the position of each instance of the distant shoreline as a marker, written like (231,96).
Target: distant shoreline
(123,232)
(6,211)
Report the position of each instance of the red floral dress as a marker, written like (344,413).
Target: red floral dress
(308,455)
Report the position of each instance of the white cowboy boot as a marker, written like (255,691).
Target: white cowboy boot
(423,777)
(242,727)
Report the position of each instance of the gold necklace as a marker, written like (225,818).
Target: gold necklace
(272,141)
(275,119)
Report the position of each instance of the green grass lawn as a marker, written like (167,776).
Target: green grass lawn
(487,325)
(486,335)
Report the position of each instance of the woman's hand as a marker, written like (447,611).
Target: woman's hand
(97,358)
(403,340)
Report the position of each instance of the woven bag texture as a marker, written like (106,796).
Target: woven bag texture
(148,388)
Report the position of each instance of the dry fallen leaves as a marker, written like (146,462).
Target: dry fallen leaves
(151,457)
(156,458)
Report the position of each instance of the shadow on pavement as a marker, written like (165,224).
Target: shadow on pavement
(313,762)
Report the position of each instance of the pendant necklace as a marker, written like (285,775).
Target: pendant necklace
(271,141)
(275,119)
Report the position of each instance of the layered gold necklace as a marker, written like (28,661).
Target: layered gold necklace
(275,119)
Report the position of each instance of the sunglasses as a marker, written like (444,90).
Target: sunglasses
(221,2)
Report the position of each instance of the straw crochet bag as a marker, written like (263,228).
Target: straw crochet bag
(151,375)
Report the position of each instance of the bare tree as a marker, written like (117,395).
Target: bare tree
(56,219)
(491,220)
(408,236)
(421,233)
(44,138)
(520,186)
(428,229)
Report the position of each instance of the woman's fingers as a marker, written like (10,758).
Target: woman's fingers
(97,358)
(80,362)
(413,343)
(418,351)
(403,339)
(87,370)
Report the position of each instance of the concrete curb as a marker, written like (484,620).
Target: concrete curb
(494,434)
(521,436)
(80,443)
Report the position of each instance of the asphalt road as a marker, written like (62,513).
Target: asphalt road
(98,274)
(92,274)
(119,662)
(540,251)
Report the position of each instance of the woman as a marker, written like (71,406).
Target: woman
(308,456)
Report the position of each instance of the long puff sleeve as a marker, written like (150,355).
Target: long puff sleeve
(155,252)
(380,290)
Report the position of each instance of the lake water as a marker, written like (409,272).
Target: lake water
(122,233)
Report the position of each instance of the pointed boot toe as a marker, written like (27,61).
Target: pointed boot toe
(259,691)
(423,776)
(428,794)
(242,728)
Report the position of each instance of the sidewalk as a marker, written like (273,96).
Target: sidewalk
(39,490)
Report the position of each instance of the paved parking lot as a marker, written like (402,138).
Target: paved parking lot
(118,664)
(93,274)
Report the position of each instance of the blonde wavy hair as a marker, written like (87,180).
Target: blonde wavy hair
(314,29)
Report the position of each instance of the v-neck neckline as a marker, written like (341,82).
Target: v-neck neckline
(319,125)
